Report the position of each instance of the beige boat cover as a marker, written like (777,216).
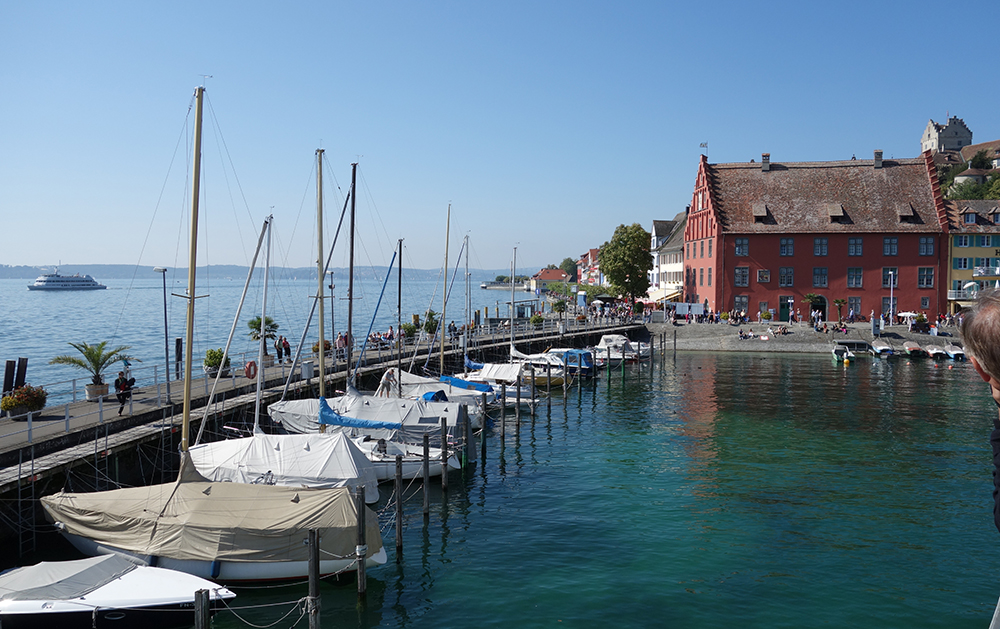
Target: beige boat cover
(198,520)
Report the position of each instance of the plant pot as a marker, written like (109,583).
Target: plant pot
(268,360)
(211,372)
(95,391)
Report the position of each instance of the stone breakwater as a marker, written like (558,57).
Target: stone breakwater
(801,338)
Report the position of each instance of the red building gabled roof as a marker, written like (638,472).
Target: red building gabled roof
(816,197)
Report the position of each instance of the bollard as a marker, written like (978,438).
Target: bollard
(202,616)
(399,508)
(427,475)
(312,601)
(362,549)
(444,454)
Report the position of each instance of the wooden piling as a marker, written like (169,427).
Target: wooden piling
(427,475)
(532,391)
(399,508)
(362,549)
(503,414)
(517,398)
(312,601)
(202,615)
(482,433)
(548,385)
(444,454)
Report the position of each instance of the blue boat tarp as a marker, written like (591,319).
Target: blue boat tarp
(328,416)
(471,365)
(434,396)
(465,384)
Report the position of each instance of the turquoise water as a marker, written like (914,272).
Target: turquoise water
(713,491)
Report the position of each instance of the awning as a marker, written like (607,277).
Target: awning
(674,296)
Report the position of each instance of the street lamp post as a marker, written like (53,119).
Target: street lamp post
(166,339)
(892,277)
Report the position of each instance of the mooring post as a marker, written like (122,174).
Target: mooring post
(100,409)
(609,364)
(444,454)
(548,383)
(470,447)
(399,508)
(362,549)
(517,399)
(202,617)
(503,414)
(67,416)
(427,475)
(482,431)
(532,390)
(675,343)
(312,602)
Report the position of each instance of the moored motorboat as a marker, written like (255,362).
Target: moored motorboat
(954,351)
(103,591)
(881,348)
(936,352)
(842,352)
(914,350)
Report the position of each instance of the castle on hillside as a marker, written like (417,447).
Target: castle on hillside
(939,138)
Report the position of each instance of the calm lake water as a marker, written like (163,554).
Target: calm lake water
(756,490)
(711,491)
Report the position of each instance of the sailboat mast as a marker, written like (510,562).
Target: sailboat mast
(320,272)
(399,323)
(263,329)
(468,309)
(192,260)
(513,272)
(444,304)
(350,275)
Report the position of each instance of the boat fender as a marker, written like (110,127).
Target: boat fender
(250,371)
(153,561)
(216,568)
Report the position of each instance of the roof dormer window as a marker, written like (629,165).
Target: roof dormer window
(969,218)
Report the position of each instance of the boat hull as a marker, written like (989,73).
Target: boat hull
(229,571)
(154,617)
(64,288)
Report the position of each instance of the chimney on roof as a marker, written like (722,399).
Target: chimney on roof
(765,162)
(878,159)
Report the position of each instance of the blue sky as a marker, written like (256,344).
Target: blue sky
(544,124)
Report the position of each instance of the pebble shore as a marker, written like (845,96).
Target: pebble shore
(801,338)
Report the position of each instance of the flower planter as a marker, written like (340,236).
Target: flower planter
(21,412)
(211,372)
(96,391)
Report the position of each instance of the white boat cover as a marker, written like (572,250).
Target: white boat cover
(501,373)
(316,460)
(61,580)
(414,387)
(396,419)
(538,359)
(199,520)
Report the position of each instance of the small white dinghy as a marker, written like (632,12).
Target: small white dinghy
(954,351)
(103,591)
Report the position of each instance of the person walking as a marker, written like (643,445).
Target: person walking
(288,349)
(123,390)
(278,348)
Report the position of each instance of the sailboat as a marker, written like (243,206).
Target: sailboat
(231,532)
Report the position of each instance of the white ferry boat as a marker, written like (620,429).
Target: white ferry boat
(54,281)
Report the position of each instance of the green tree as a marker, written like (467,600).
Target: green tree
(270,330)
(431,324)
(560,307)
(94,359)
(626,260)
(967,190)
(569,265)
(981,160)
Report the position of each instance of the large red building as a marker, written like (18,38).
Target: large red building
(760,236)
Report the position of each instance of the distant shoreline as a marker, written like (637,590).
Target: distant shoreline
(128,271)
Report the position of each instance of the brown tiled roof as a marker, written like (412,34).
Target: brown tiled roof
(991,148)
(551,275)
(796,197)
(984,209)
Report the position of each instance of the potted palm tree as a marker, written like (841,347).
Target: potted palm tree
(95,359)
(213,363)
(270,331)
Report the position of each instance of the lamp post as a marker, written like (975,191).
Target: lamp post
(166,339)
(892,277)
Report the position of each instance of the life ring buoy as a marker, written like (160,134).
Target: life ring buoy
(250,370)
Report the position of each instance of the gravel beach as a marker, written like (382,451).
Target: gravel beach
(801,338)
